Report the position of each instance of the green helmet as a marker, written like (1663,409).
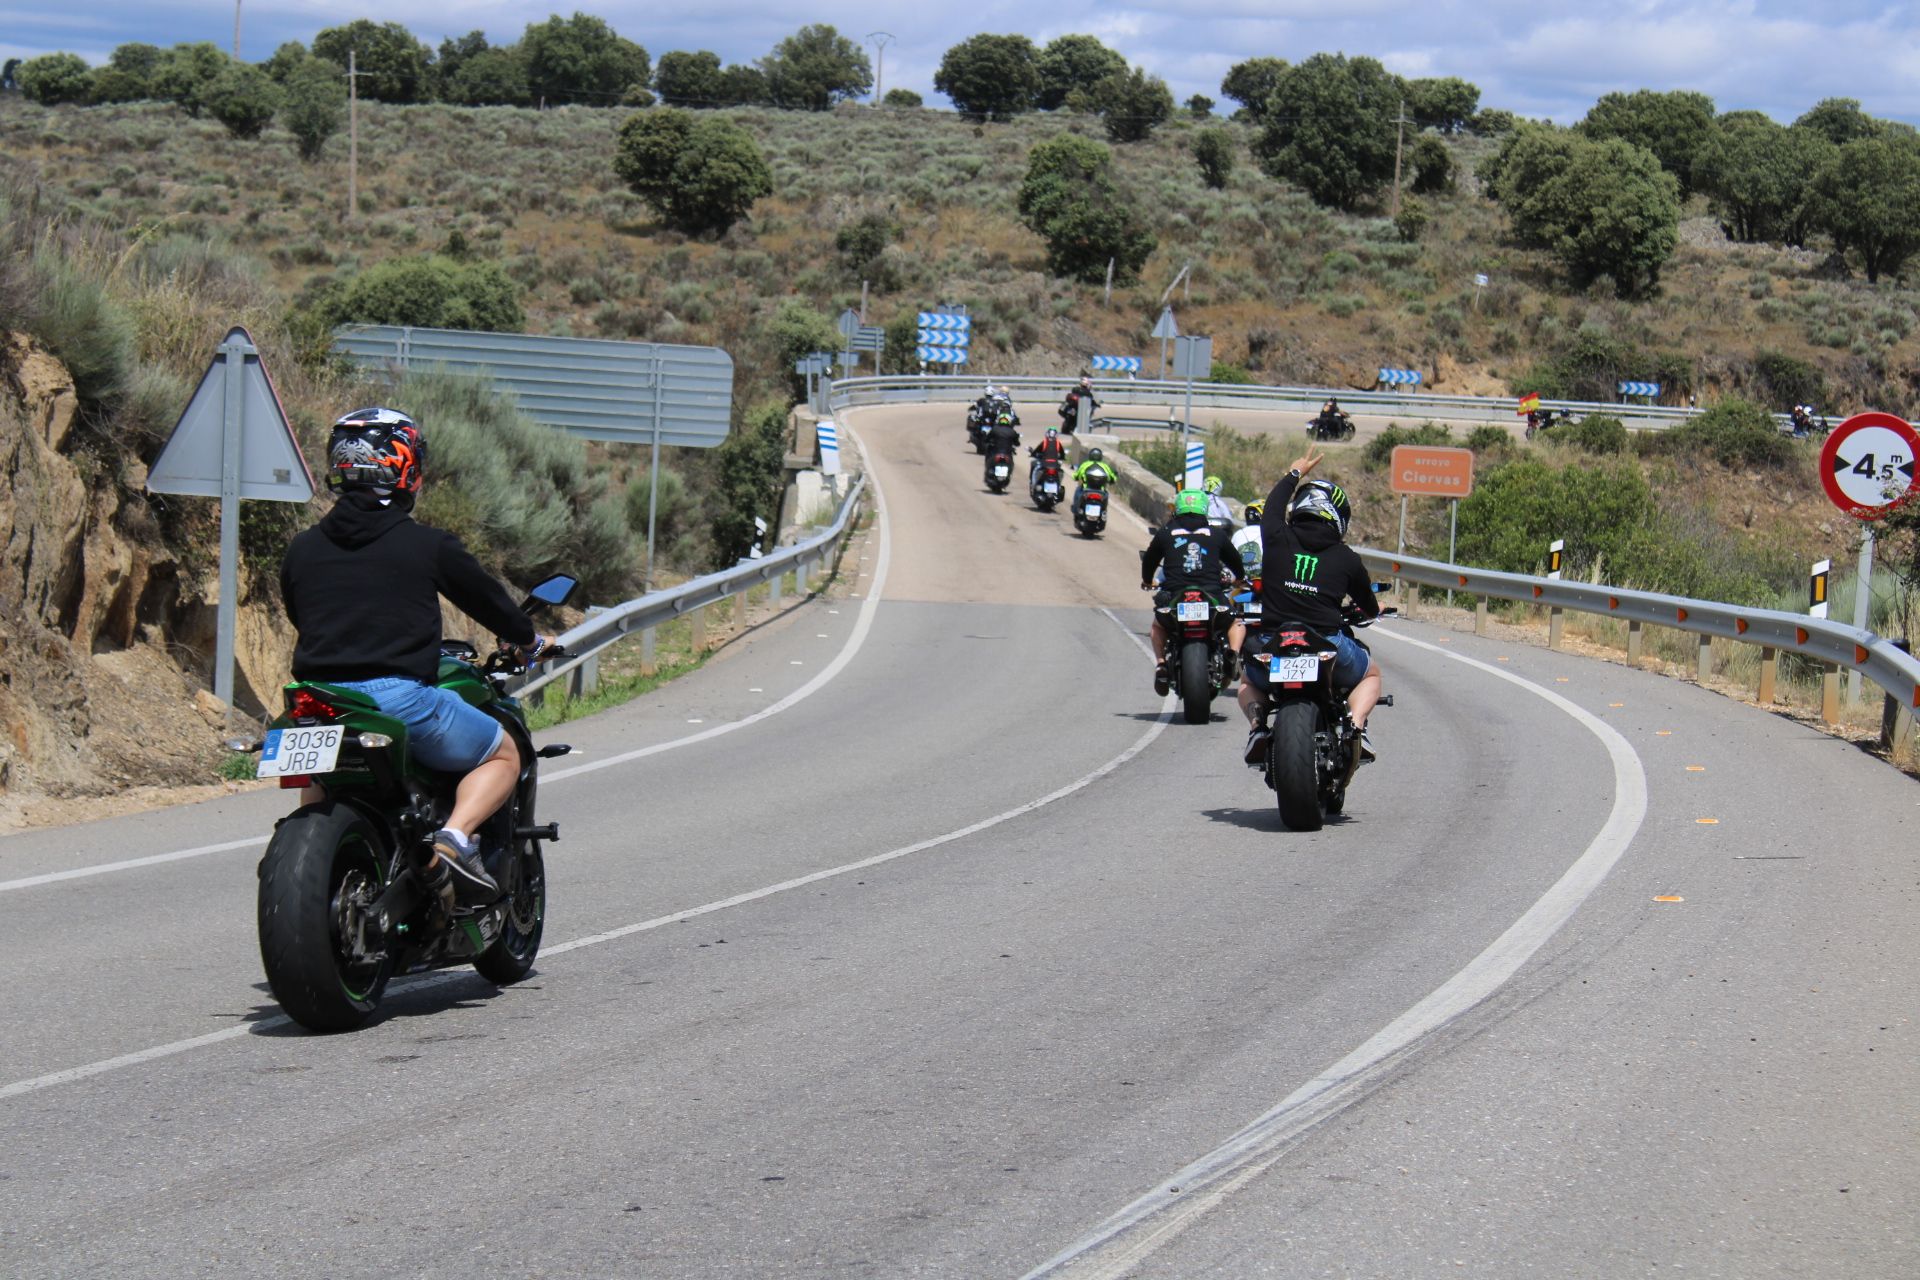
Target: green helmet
(1190,502)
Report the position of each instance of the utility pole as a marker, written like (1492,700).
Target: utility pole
(353,134)
(236,30)
(1399,141)
(879,39)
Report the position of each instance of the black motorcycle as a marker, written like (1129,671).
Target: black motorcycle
(999,471)
(342,905)
(1045,485)
(1330,426)
(1196,624)
(1803,423)
(1314,750)
(1091,517)
(1546,419)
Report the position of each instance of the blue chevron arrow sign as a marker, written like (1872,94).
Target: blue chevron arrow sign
(941,322)
(1639,388)
(1400,377)
(1116,364)
(941,355)
(942,338)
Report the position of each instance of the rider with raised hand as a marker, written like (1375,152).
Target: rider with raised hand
(362,589)
(1309,574)
(1092,473)
(1194,556)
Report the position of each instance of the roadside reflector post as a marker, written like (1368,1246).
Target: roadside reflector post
(1830,696)
(1769,673)
(1556,626)
(647,664)
(1704,667)
(1635,637)
(698,620)
(1480,617)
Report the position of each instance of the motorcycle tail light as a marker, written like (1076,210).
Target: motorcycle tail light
(305,706)
(294,781)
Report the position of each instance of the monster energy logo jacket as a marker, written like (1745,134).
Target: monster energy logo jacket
(1307,570)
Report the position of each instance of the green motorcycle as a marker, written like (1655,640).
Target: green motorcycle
(342,907)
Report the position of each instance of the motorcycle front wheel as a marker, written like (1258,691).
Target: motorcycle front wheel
(1196,685)
(1291,768)
(320,874)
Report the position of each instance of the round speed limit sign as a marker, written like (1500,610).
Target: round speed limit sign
(1867,464)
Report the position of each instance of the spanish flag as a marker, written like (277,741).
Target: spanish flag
(1529,403)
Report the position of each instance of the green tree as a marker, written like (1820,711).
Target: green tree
(1755,172)
(244,98)
(1411,221)
(287,59)
(699,174)
(187,72)
(1839,121)
(316,102)
(1070,200)
(454,54)
(1447,103)
(990,77)
(581,59)
(128,75)
(392,64)
(903,100)
(1330,128)
(816,67)
(431,292)
(1492,122)
(747,482)
(861,242)
(494,77)
(689,79)
(1073,62)
(744,86)
(1601,207)
(54,78)
(1673,126)
(1213,152)
(1867,197)
(1251,83)
(1132,104)
(1200,106)
(1432,166)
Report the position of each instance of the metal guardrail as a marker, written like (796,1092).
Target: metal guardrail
(947,388)
(585,641)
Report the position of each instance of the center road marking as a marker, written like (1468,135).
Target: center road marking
(1128,1236)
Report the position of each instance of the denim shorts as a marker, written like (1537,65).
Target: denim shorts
(445,732)
(1350,668)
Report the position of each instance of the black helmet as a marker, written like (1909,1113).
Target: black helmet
(1094,454)
(376,448)
(1321,500)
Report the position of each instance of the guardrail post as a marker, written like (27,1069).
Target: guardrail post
(1830,696)
(647,665)
(1635,638)
(1480,617)
(1556,626)
(1769,674)
(585,678)
(800,578)
(1896,725)
(1704,667)
(773,590)
(698,620)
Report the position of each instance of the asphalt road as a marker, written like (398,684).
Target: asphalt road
(969,963)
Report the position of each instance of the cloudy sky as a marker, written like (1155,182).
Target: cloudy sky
(1536,57)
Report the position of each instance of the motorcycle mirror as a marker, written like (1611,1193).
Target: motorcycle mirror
(556,590)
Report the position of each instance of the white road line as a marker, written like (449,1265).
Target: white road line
(862,625)
(1131,1234)
(104,1066)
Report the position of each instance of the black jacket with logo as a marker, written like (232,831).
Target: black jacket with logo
(1193,552)
(362,587)
(1307,571)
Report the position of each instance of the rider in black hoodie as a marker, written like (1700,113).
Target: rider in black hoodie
(362,588)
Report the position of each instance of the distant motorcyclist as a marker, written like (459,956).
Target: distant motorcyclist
(1192,555)
(1093,473)
(1332,422)
(1219,513)
(1310,572)
(1050,447)
(1003,438)
(1070,407)
(1806,422)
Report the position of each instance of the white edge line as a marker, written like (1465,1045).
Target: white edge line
(1180,1200)
(862,625)
(1167,705)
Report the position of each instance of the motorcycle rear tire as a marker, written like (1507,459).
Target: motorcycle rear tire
(307,862)
(1196,684)
(1290,766)
(510,957)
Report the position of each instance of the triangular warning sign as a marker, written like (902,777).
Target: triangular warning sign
(270,463)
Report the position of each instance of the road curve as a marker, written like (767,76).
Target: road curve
(944,965)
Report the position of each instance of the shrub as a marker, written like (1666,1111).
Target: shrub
(1736,432)
(902,100)
(432,292)
(70,310)
(1232,374)
(673,516)
(1200,106)
(1432,166)
(54,78)
(244,99)
(1379,450)
(1069,199)
(699,174)
(747,481)
(315,101)
(1604,209)
(1597,433)
(1489,438)
(1213,152)
(1411,222)
(1789,381)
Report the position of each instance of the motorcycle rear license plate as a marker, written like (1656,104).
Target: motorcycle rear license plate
(1251,609)
(1000,473)
(1093,510)
(1294,670)
(1050,487)
(291,751)
(1192,611)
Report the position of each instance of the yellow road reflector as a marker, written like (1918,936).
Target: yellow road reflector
(1708,822)
(1668,897)
(1616,704)
(1500,659)
(1663,733)
(1560,680)
(1696,768)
